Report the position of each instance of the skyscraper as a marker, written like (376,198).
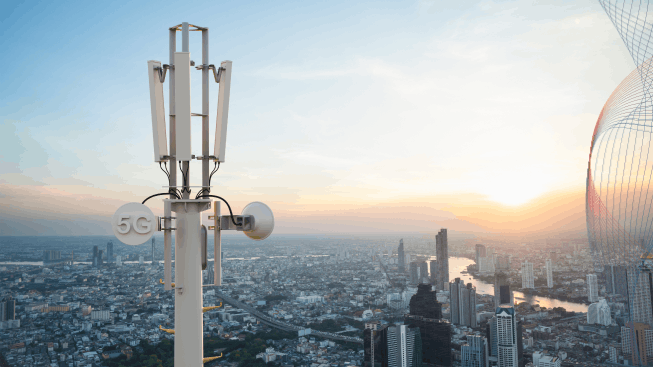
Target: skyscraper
(110,252)
(153,263)
(426,314)
(475,353)
(375,345)
(616,280)
(414,272)
(527,276)
(425,303)
(636,343)
(401,258)
(592,288)
(423,272)
(462,303)
(94,259)
(480,253)
(549,273)
(434,272)
(502,292)
(99,258)
(507,348)
(8,310)
(599,313)
(404,346)
(639,295)
(442,253)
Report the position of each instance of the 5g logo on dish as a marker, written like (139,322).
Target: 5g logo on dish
(133,224)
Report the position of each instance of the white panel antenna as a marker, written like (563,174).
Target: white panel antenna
(223,111)
(158,111)
(182,106)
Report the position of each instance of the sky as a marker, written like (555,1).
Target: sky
(345,117)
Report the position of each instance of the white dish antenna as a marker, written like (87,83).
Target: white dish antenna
(263,220)
(158,111)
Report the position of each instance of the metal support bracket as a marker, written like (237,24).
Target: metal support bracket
(160,226)
(244,222)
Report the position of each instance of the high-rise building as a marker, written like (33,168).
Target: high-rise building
(616,280)
(491,335)
(8,309)
(404,346)
(637,343)
(95,252)
(426,315)
(50,256)
(462,301)
(423,272)
(140,259)
(375,345)
(401,258)
(110,252)
(153,260)
(599,313)
(549,273)
(118,261)
(503,263)
(99,257)
(475,352)
(592,288)
(480,253)
(425,303)
(640,303)
(502,292)
(527,276)
(507,348)
(434,272)
(414,272)
(442,253)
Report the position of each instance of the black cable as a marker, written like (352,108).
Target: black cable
(164,193)
(207,190)
(184,177)
(225,201)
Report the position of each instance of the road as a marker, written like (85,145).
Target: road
(280,324)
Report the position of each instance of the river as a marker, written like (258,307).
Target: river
(459,264)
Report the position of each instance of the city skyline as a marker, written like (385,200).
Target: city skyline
(77,158)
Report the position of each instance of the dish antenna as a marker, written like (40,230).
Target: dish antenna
(256,220)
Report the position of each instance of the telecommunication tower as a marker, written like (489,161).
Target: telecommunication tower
(134,223)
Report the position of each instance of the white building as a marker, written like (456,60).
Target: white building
(401,345)
(310,299)
(592,288)
(540,360)
(599,313)
(102,315)
(118,261)
(527,276)
(549,273)
(507,336)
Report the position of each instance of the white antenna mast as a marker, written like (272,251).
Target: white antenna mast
(134,223)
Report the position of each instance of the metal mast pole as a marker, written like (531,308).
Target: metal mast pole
(185,165)
(189,341)
(205,108)
(173,130)
(167,208)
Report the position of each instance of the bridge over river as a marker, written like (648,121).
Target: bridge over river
(280,324)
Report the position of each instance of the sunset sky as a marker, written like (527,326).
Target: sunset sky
(345,117)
